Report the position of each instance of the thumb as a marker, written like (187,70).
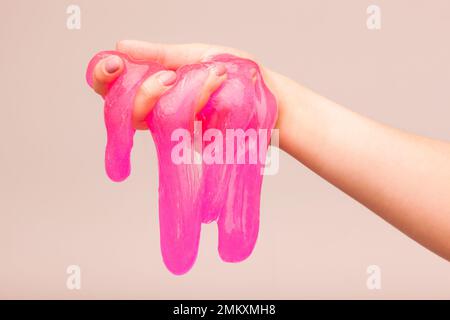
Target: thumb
(105,72)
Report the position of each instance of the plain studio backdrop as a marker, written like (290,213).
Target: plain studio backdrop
(58,208)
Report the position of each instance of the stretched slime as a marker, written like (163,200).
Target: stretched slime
(223,189)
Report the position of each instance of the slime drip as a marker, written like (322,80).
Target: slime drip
(194,193)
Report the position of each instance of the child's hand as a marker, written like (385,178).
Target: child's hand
(402,177)
(170,56)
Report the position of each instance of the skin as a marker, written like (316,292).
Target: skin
(402,177)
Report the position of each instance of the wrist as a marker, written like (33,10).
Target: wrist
(288,94)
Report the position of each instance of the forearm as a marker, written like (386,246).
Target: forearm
(402,177)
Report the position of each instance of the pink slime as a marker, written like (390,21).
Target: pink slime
(190,194)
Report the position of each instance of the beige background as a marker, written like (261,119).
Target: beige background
(58,208)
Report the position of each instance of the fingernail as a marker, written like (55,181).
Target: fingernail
(112,64)
(219,69)
(167,77)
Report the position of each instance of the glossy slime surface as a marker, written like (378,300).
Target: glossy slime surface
(194,193)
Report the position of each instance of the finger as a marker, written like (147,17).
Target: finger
(148,94)
(105,72)
(217,75)
(155,86)
(173,56)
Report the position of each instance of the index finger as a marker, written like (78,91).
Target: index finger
(172,56)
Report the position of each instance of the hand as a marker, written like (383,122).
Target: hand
(170,56)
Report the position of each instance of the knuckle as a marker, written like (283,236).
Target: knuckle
(148,88)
